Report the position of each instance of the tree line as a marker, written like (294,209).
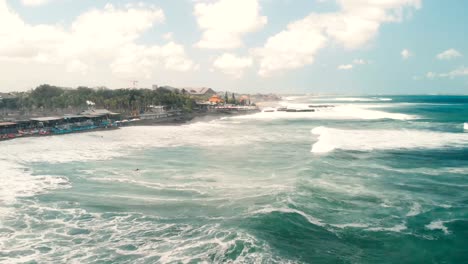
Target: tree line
(48,97)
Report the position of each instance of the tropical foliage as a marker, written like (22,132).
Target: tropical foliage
(49,97)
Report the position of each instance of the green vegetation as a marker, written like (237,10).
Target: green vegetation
(47,97)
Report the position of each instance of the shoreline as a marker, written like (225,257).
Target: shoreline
(172,121)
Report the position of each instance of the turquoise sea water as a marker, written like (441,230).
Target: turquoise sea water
(372,180)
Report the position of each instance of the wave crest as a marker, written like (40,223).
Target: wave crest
(330,139)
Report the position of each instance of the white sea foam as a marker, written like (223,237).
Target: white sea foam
(339,112)
(268,210)
(351,225)
(330,139)
(396,228)
(465,126)
(385,99)
(340,99)
(360,99)
(415,210)
(143,238)
(438,225)
(17,156)
(110,144)
(16,181)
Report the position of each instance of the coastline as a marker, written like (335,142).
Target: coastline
(166,121)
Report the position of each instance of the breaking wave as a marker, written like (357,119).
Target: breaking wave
(330,139)
(361,99)
(339,112)
(17,181)
(438,225)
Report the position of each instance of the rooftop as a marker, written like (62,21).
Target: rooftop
(47,119)
(97,112)
(3,124)
(199,91)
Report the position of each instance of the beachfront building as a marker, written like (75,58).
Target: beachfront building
(98,112)
(155,112)
(5,96)
(8,130)
(204,91)
(244,100)
(87,120)
(215,99)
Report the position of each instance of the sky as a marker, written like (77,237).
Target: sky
(281,46)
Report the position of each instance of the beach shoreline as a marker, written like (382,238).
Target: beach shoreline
(183,119)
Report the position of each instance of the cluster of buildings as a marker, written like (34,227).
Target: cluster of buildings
(91,119)
(208,101)
(203,91)
(204,95)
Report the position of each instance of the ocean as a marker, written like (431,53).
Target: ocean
(375,179)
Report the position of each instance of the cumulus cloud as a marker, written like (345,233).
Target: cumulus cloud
(96,38)
(345,67)
(406,54)
(353,26)
(431,75)
(232,65)
(360,62)
(35,2)
(168,36)
(460,72)
(225,22)
(137,60)
(449,54)
(356,62)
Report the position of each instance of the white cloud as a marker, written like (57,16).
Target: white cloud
(431,75)
(225,22)
(96,39)
(460,72)
(356,62)
(136,60)
(360,62)
(406,54)
(77,66)
(232,65)
(345,67)
(35,2)
(449,54)
(168,36)
(357,22)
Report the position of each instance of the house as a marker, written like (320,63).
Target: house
(215,99)
(204,91)
(98,113)
(7,96)
(244,99)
